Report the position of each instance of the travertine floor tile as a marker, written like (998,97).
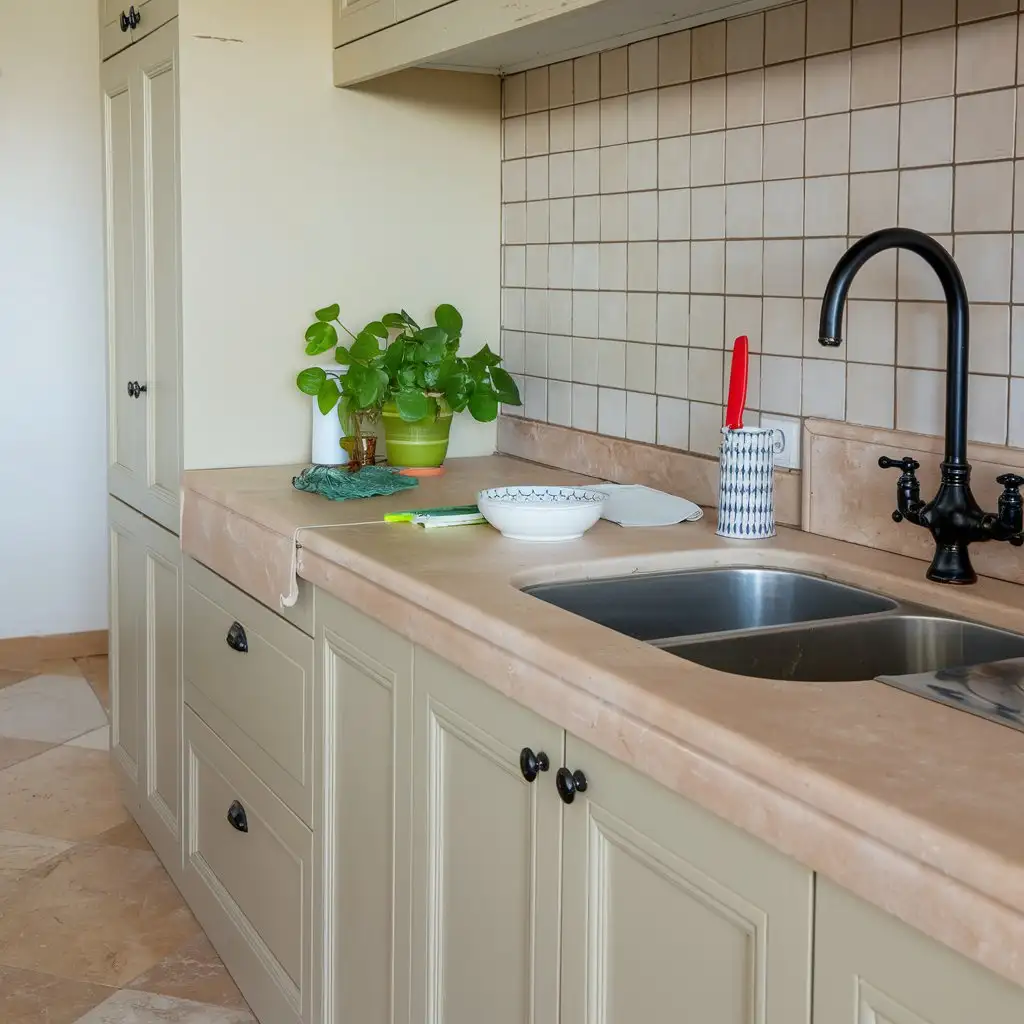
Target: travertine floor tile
(65,793)
(8,677)
(27,997)
(20,851)
(129,1007)
(96,670)
(50,708)
(127,834)
(12,751)
(98,739)
(97,914)
(193,972)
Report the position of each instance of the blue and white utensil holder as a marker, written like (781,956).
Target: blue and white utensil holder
(746,484)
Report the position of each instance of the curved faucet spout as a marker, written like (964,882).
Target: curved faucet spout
(957,315)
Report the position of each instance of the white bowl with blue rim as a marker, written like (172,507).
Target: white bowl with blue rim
(541,514)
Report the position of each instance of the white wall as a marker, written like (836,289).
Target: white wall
(52,347)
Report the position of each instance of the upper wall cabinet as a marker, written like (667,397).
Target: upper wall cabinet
(376,37)
(123,23)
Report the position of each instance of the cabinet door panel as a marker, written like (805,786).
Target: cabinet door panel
(127,615)
(124,363)
(162,705)
(356,18)
(486,852)
(366,689)
(158,306)
(670,914)
(870,968)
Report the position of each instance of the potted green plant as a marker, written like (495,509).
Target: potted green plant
(412,377)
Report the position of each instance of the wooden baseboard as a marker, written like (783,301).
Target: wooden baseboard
(25,651)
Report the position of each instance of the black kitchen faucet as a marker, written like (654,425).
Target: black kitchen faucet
(953,516)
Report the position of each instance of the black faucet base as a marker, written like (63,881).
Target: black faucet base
(952,564)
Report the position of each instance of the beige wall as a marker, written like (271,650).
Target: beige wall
(303,194)
(53,546)
(660,199)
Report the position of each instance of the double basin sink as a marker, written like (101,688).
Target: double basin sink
(784,625)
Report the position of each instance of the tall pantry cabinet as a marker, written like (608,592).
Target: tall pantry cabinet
(243,190)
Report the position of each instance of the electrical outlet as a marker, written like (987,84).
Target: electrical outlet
(790,428)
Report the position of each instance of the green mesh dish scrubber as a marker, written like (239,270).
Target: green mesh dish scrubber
(340,484)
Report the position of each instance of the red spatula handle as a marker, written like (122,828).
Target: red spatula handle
(738,383)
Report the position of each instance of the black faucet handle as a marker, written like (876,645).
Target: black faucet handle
(1010,520)
(907,464)
(1011,481)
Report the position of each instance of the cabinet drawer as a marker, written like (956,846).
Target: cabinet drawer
(250,889)
(260,701)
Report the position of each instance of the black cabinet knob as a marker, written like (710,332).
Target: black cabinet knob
(569,784)
(134,17)
(135,389)
(531,764)
(237,818)
(125,23)
(236,638)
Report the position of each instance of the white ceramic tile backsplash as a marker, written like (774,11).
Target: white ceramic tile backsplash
(661,198)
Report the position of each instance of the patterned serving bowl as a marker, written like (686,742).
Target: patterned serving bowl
(542,514)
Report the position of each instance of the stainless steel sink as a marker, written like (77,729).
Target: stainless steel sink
(661,606)
(779,624)
(889,645)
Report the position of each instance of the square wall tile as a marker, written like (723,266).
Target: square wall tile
(671,371)
(612,266)
(643,65)
(614,121)
(585,266)
(673,319)
(642,318)
(706,427)
(1016,436)
(706,375)
(611,319)
(614,72)
(828,145)
(673,266)
(675,161)
(783,267)
(611,412)
(984,197)
(828,25)
(820,256)
(587,218)
(708,212)
(874,20)
(744,267)
(984,261)
(707,105)
(824,388)
(871,395)
(707,159)
(584,360)
(513,218)
(642,115)
(560,220)
(744,99)
(744,46)
(743,154)
(537,177)
(988,398)
(783,327)
(643,216)
(560,175)
(990,339)
(560,312)
(916,279)
(783,150)
(673,111)
(784,92)
(707,267)
(560,84)
(920,401)
(926,133)
(513,95)
(784,208)
(785,33)
(744,210)
(707,321)
(641,417)
(986,55)
(986,126)
(875,75)
(587,125)
(560,403)
(586,78)
(674,423)
(926,199)
(537,133)
(584,407)
(674,58)
(513,350)
(708,50)
(642,165)
(614,217)
(781,384)
(874,201)
(535,399)
(514,266)
(871,331)
(744,315)
(674,213)
(611,363)
(924,15)
(922,334)
(929,65)
(875,139)
(828,83)
(537,90)
(614,164)
(642,266)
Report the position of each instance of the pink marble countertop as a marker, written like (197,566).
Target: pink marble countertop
(914,806)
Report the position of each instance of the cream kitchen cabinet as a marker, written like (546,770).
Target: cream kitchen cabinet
(486,854)
(356,18)
(145,675)
(870,968)
(363,821)
(140,117)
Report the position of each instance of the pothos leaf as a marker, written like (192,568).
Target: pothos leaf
(412,405)
(449,319)
(328,397)
(505,387)
(365,347)
(310,380)
(320,337)
(377,329)
(483,404)
(331,312)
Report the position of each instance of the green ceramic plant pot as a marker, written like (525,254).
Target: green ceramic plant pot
(420,444)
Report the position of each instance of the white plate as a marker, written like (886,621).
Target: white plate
(636,505)
(545,514)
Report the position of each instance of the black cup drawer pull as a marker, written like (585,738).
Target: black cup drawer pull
(569,784)
(237,640)
(530,764)
(237,817)
(125,22)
